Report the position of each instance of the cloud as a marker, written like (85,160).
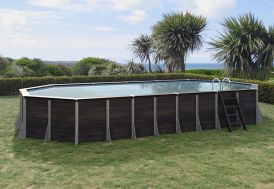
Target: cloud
(137,8)
(90,5)
(135,17)
(70,5)
(209,8)
(51,47)
(15,20)
(123,5)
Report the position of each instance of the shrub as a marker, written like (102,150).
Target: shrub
(29,72)
(114,69)
(65,69)
(134,68)
(54,70)
(32,64)
(31,67)
(97,70)
(14,71)
(4,63)
(84,65)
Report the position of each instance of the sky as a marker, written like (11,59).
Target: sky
(74,29)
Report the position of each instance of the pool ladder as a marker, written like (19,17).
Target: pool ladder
(230,104)
(221,84)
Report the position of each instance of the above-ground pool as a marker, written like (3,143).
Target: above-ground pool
(107,111)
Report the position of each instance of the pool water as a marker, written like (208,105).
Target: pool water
(131,88)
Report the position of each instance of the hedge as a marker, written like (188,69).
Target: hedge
(11,86)
(215,72)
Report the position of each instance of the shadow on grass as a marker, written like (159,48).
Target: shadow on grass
(150,148)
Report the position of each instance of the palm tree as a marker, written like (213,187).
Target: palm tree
(177,35)
(142,48)
(246,47)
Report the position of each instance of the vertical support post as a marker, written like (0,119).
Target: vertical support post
(48,131)
(76,123)
(198,123)
(49,120)
(156,131)
(259,117)
(20,115)
(22,131)
(237,117)
(108,138)
(133,131)
(217,120)
(178,126)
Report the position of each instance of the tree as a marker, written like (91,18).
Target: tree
(177,35)
(245,47)
(143,48)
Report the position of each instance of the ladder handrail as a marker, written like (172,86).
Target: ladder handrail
(224,80)
(218,80)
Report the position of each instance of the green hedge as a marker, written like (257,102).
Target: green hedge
(218,72)
(11,86)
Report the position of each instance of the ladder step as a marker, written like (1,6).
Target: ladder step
(231,115)
(230,104)
(233,123)
(235,106)
(230,98)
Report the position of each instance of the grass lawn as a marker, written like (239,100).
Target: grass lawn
(211,159)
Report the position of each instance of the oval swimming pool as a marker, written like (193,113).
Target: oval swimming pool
(110,90)
(106,111)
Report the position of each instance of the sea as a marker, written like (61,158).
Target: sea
(191,66)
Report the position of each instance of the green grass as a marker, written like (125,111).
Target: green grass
(211,159)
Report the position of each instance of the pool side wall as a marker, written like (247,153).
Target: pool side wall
(128,117)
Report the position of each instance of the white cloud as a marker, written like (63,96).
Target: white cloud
(49,3)
(136,7)
(70,5)
(209,8)
(135,4)
(15,20)
(135,17)
(90,5)
(60,47)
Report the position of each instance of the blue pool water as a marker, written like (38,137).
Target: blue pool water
(127,89)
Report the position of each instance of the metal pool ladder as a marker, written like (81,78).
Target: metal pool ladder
(226,79)
(231,105)
(221,84)
(218,80)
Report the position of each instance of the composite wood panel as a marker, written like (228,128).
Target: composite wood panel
(144,116)
(166,114)
(92,120)
(187,112)
(120,118)
(63,120)
(36,117)
(207,111)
